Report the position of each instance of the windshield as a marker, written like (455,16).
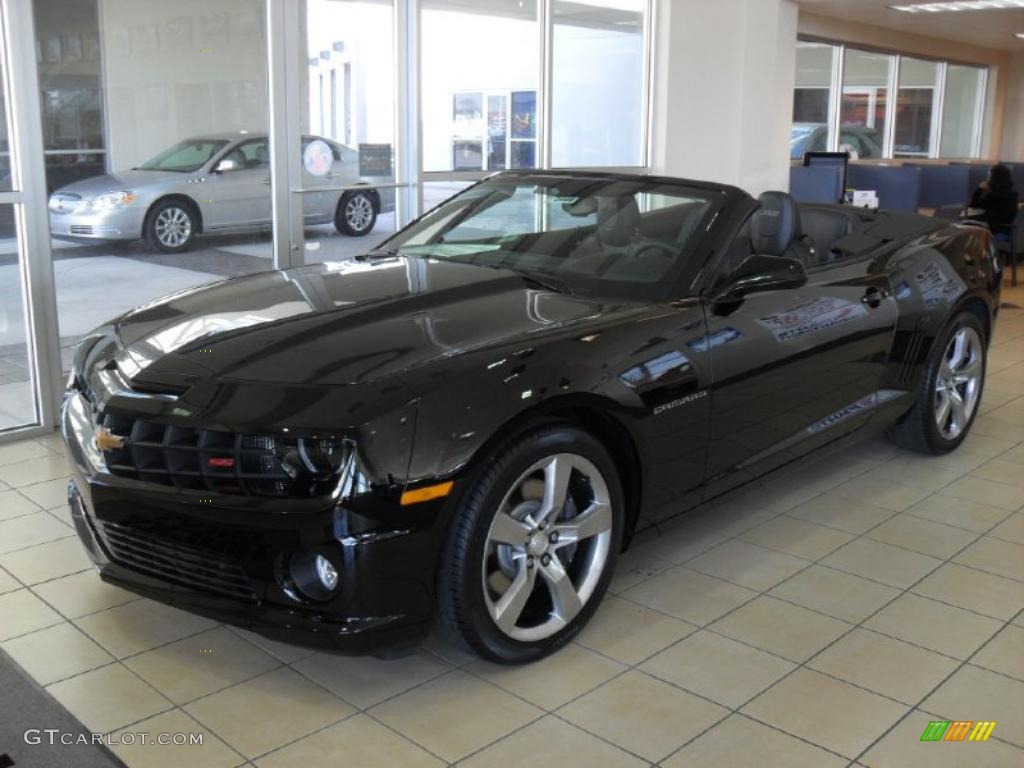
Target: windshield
(185,156)
(802,131)
(594,236)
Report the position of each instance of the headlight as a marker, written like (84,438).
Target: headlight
(112,200)
(308,466)
(325,456)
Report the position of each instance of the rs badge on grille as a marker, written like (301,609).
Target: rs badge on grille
(106,440)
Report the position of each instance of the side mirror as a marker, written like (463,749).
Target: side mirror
(763,273)
(227,164)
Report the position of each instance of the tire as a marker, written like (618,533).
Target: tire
(171,226)
(356,214)
(919,430)
(480,578)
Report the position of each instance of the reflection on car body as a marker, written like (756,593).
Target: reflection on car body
(811,316)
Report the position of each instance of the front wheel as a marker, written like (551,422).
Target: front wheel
(950,392)
(533,546)
(171,227)
(356,214)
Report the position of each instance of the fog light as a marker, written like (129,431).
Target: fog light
(315,576)
(327,573)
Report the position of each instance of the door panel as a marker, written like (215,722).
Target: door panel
(670,375)
(796,369)
(240,197)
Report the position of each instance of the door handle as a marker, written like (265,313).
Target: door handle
(873,297)
(267,182)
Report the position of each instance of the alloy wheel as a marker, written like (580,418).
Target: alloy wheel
(958,383)
(173,227)
(359,212)
(547,547)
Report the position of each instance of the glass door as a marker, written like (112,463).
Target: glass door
(27,361)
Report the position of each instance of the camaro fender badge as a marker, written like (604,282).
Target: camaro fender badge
(679,401)
(106,440)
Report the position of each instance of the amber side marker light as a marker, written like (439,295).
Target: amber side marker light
(427,493)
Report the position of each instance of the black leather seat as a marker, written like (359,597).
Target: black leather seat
(823,227)
(618,221)
(775,229)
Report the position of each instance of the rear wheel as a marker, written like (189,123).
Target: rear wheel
(356,214)
(171,226)
(533,546)
(950,393)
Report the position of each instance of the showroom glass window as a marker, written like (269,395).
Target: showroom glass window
(597,83)
(811,98)
(479,78)
(862,109)
(916,103)
(962,109)
(121,83)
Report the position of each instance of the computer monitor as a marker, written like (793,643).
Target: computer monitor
(838,160)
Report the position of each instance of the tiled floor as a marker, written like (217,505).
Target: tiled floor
(822,619)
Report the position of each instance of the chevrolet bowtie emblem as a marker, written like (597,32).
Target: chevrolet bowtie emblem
(106,440)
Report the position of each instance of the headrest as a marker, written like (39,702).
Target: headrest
(262,154)
(776,225)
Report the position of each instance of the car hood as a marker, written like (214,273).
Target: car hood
(114,182)
(343,323)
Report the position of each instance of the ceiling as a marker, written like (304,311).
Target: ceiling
(989,29)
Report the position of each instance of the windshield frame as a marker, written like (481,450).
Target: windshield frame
(674,283)
(219,145)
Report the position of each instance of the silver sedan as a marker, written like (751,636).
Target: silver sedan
(214,183)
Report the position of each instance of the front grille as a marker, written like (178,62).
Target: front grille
(80,229)
(198,459)
(174,562)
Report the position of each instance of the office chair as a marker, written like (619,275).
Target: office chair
(1008,237)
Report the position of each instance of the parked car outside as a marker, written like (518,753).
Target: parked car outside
(214,183)
(861,141)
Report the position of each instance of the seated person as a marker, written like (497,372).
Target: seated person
(995,200)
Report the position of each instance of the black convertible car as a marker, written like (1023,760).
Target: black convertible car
(469,423)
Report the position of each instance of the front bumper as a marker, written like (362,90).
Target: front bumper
(226,558)
(118,224)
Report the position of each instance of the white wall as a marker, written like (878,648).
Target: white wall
(1013,116)
(177,69)
(723,90)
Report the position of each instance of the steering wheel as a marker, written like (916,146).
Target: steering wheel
(669,251)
